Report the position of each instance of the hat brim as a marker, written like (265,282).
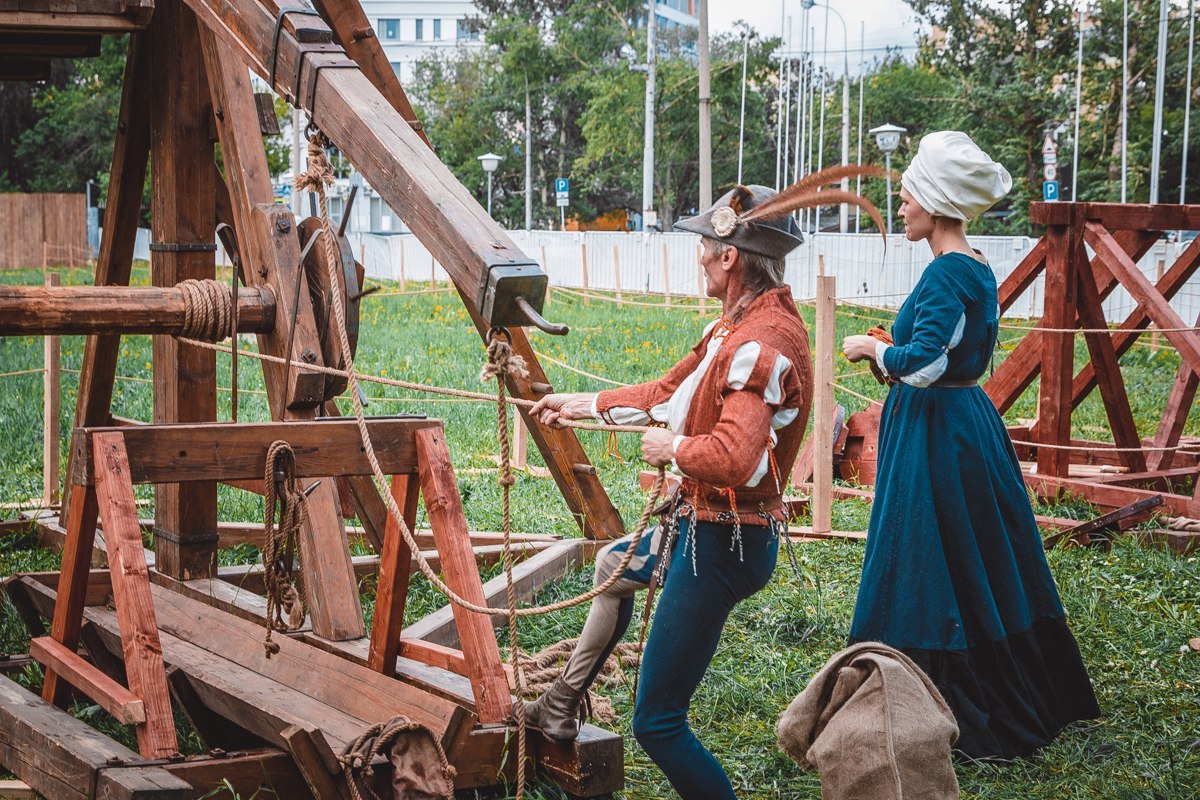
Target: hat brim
(765,240)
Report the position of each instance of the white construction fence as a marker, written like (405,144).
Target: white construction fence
(658,263)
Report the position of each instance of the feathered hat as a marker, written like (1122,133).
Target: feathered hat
(759,219)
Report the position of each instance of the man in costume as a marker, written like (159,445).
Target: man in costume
(733,412)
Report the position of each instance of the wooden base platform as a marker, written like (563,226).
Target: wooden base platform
(237,698)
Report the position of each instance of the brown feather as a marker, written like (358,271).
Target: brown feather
(782,203)
(824,197)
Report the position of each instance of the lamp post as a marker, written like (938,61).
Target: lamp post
(887,139)
(489,161)
(649,218)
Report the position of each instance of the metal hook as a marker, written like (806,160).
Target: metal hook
(537,320)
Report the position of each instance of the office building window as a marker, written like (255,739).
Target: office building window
(464,30)
(437,29)
(389,29)
(420,30)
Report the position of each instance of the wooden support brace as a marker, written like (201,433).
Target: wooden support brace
(124,705)
(449,524)
(131,594)
(392,591)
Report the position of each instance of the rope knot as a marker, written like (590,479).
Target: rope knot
(507,480)
(502,361)
(320,171)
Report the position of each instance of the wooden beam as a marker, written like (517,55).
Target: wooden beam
(1054,396)
(1119,216)
(406,173)
(493,702)
(260,771)
(124,705)
(51,409)
(127,176)
(1175,414)
(131,595)
(62,757)
(183,217)
(1023,276)
(76,563)
(1148,298)
(214,451)
(1108,369)
(529,576)
(73,310)
(47,45)
(391,593)
(52,21)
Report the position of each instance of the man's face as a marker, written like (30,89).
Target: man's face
(716,270)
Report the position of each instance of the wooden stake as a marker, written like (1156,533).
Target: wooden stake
(822,502)
(45,259)
(587,299)
(403,280)
(617,271)
(520,453)
(1162,265)
(51,401)
(666,275)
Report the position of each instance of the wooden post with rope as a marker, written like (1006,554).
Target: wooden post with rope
(587,295)
(617,271)
(822,501)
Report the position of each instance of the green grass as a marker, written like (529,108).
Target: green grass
(1132,609)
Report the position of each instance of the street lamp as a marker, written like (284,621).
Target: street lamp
(489,161)
(887,138)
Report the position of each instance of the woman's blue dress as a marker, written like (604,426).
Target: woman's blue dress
(954,574)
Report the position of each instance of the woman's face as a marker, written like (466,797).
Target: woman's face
(918,223)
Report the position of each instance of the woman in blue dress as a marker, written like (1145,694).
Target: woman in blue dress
(954,573)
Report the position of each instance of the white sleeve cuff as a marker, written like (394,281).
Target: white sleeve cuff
(880,347)
(595,404)
(675,444)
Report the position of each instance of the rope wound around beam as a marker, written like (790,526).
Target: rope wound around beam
(207,310)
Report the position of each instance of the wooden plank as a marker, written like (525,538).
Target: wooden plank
(56,754)
(1155,305)
(97,586)
(548,565)
(124,705)
(1107,495)
(131,593)
(141,783)
(17,790)
(1108,369)
(215,451)
(449,524)
(80,23)
(215,731)
(1054,395)
(328,679)
(392,587)
(71,310)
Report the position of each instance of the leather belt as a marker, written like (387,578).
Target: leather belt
(954,384)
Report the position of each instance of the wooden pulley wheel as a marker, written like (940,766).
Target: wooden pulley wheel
(349,286)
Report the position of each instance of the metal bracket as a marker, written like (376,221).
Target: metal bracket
(513,294)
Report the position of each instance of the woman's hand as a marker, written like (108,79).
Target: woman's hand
(658,447)
(859,347)
(554,407)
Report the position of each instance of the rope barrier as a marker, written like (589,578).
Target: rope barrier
(850,391)
(585,373)
(23,372)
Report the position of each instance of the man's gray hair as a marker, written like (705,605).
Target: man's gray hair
(760,273)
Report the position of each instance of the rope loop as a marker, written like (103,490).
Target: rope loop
(379,740)
(283,573)
(207,310)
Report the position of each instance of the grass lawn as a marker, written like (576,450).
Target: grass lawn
(1133,609)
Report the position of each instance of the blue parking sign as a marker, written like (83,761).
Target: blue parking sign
(1050,191)
(561,186)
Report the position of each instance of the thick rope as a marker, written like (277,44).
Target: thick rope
(285,596)
(501,363)
(374,741)
(1185,524)
(316,151)
(544,668)
(207,309)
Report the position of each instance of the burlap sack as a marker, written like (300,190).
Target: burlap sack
(874,726)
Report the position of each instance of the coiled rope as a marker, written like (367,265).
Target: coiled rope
(207,309)
(284,583)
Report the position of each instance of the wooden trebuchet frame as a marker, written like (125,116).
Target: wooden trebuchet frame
(178,626)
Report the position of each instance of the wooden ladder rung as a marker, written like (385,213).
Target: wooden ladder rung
(114,698)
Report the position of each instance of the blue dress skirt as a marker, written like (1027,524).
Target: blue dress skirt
(954,573)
